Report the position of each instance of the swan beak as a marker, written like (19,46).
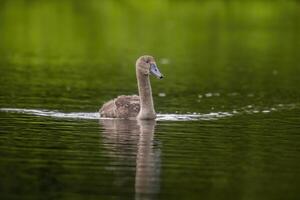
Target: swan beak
(155,71)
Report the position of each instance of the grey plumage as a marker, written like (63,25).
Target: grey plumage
(134,106)
(121,107)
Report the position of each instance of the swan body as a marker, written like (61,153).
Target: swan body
(134,106)
(121,107)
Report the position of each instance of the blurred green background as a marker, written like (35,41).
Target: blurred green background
(87,49)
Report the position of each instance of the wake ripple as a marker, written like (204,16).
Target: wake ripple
(160,117)
(96,115)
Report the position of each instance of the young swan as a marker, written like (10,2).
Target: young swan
(134,106)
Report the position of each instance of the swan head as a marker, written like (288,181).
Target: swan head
(147,65)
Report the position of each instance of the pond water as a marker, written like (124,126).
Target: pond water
(228,109)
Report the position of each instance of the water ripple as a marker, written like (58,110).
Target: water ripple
(96,115)
(160,117)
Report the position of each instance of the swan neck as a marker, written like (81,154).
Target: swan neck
(145,93)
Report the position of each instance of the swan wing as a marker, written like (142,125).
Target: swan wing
(108,109)
(127,106)
(121,107)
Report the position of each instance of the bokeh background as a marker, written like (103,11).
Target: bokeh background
(64,51)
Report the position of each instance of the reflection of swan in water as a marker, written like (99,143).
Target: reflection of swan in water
(131,142)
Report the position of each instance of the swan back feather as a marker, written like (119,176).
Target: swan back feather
(121,107)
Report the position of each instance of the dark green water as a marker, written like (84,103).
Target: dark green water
(234,64)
